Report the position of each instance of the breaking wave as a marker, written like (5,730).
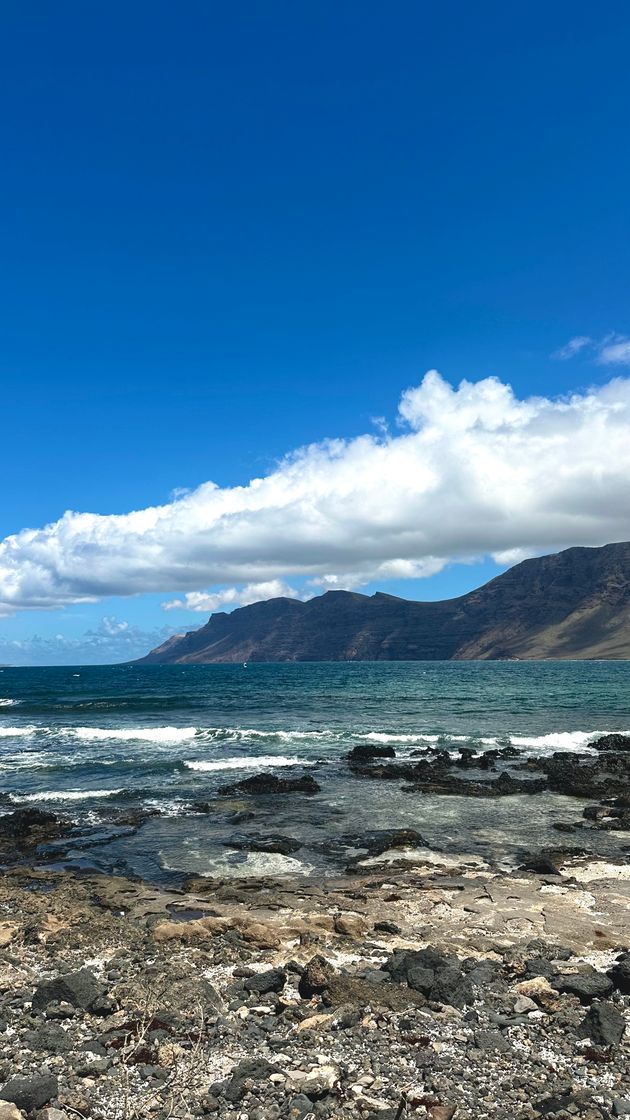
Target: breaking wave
(255,762)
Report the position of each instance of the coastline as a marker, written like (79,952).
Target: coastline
(439,989)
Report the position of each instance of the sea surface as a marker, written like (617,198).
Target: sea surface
(96,742)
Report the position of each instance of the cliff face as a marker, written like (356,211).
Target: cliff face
(575,604)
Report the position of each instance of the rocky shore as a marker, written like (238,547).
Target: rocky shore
(441,988)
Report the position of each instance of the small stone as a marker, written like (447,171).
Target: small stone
(523,1004)
(491,1040)
(9,1111)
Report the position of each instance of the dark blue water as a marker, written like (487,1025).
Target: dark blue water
(96,741)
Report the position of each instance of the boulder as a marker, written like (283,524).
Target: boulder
(264,982)
(613,742)
(316,977)
(604,1024)
(585,985)
(365,752)
(79,989)
(29,1093)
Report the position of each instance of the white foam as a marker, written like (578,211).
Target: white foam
(255,762)
(5,702)
(558,740)
(385,737)
(143,734)
(66,795)
(11,732)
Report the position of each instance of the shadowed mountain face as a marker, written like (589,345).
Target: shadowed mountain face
(575,604)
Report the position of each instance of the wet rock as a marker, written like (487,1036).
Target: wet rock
(365,753)
(613,742)
(285,845)
(263,982)
(29,1093)
(260,784)
(604,1024)
(80,989)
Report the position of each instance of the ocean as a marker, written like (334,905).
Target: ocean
(96,742)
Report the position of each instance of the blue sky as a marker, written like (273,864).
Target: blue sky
(230,232)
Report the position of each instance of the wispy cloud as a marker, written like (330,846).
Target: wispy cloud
(615,350)
(573,347)
(472,470)
(612,349)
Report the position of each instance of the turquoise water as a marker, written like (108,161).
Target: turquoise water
(96,741)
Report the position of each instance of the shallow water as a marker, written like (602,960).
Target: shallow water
(92,741)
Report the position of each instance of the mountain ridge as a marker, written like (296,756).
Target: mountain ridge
(573,604)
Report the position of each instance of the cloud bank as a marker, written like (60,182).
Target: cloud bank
(470,471)
(110,640)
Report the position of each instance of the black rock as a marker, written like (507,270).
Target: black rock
(452,987)
(604,1024)
(80,989)
(49,1039)
(365,752)
(316,977)
(386,927)
(491,1040)
(270,784)
(620,975)
(261,843)
(613,742)
(251,1069)
(585,985)
(402,960)
(540,864)
(421,979)
(263,982)
(29,1093)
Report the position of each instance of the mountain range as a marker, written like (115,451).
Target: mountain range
(572,604)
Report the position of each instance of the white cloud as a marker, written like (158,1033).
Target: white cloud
(208,602)
(573,347)
(615,350)
(473,471)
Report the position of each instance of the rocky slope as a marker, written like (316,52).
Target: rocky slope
(574,604)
